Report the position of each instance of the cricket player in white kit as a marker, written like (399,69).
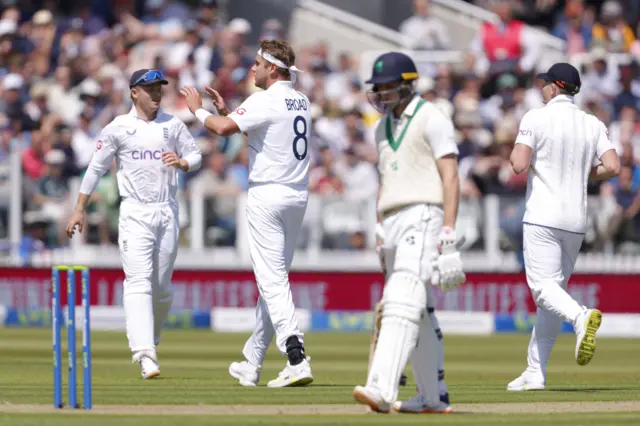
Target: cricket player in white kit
(278,123)
(417,210)
(149,147)
(561,147)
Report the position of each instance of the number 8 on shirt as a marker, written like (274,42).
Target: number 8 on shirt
(277,122)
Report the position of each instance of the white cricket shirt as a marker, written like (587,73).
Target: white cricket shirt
(137,147)
(278,122)
(566,143)
(408,151)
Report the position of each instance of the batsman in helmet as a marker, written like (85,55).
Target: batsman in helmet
(417,208)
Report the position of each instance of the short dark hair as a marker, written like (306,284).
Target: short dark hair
(281,50)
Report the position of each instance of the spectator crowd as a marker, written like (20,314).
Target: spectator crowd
(63,77)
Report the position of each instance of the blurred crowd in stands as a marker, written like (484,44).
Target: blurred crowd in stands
(63,77)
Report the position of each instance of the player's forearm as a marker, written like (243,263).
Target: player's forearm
(83,201)
(601,172)
(90,180)
(191,162)
(451,196)
(217,124)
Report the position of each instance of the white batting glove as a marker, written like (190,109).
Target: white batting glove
(379,244)
(447,263)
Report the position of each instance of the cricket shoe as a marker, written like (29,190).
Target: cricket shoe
(444,395)
(586,326)
(293,375)
(525,383)
(148,364)
(372,398)
(246,373)
(417,405)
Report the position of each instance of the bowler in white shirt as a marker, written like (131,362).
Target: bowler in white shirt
(149,147)
(561,147)
(278,123)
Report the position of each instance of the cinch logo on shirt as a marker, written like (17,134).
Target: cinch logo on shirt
(525,132)
(147,154)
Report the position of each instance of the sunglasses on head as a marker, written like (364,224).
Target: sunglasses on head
(150,75)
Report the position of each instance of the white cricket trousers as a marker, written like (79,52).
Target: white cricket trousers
(550,256)
(148,240)
(410,240)
(274,216)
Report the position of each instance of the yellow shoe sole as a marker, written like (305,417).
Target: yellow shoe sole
(302,382)
(588,344)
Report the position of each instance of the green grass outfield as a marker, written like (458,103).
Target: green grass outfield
(195,383)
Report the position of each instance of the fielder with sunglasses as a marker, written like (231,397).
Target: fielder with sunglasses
(149,147)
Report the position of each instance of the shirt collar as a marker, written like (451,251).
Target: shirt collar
(561,98)
(279,83)
(134,113)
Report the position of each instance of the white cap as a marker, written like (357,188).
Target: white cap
(90,87)
(611,8)
(8,26)
(54,157)
(12,81)
(598,53)
(109,71)
(42,17)
(316,111)
(240,26)
(425,84)
(39,89)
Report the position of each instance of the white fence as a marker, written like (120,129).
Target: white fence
(478,221)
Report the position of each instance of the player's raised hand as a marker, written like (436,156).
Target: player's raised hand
(77,219)
(218,101)
(194,101)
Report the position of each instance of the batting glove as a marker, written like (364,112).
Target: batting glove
(447,263)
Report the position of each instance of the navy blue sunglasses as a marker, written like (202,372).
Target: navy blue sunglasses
(149,76)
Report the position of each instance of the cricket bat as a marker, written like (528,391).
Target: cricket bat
(375,332)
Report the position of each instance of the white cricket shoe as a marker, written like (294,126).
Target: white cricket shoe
(293,375)
(586,326)
(418,405)
(246,373)
(525,383)
(372,398)
(148,364)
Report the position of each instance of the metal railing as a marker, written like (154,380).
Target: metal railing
(480,223)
